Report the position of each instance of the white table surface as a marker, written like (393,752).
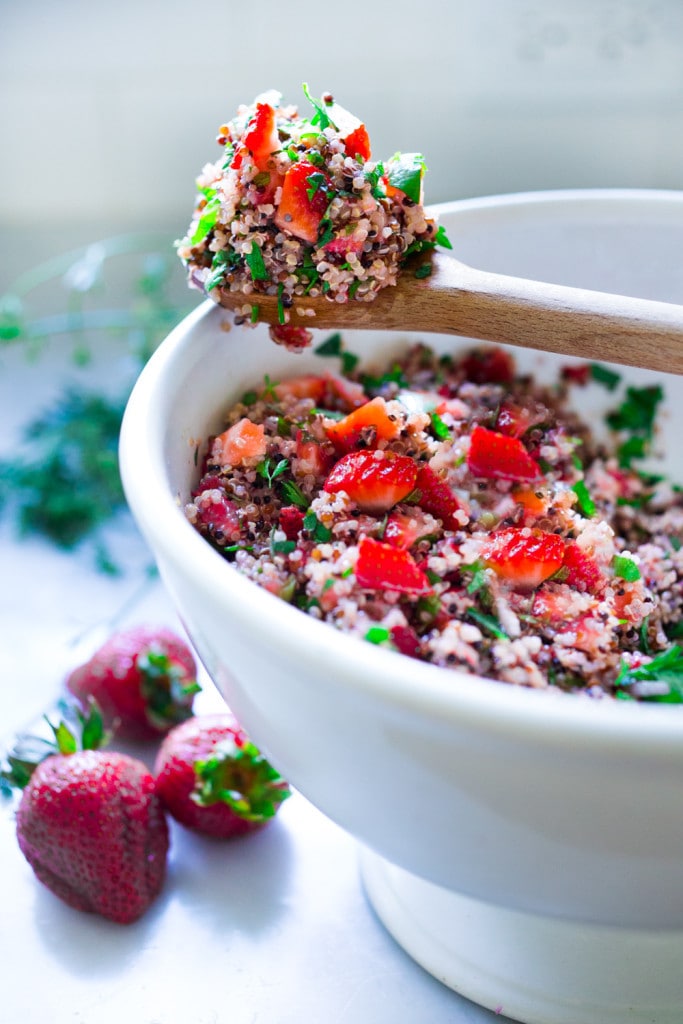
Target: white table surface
(271,929)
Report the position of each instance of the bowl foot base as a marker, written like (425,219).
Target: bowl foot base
(530,968)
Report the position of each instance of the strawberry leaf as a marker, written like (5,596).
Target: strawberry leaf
(240,776)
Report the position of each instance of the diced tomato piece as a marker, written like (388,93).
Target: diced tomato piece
(524,558)
(403,529)
(496,456)
(302,204)
(583,571)
(242,441)
(406,640)
(261,138)
(489,366)
(291,520)
(345,434)
(381,567)
(374,480)
(437,498)
(291,336)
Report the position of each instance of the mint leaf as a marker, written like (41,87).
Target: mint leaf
(405,172)
(256,265)
(625,568)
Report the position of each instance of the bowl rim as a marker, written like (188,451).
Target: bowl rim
(494,707)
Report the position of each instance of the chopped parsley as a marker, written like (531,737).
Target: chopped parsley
(487,622)
(208,217)
(625,568)
(293,494)
(439,428)
(603,375)
(317,530)
(442,239)
(256,265)
(635,417)
(316,182)
(270,470)
(666,669)
(586,503)
(378,635)
(280,547)
(221,262)
(321,116)
(405,172)
(424,271)
(280,304)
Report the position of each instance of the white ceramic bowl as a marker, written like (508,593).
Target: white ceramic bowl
(527,848)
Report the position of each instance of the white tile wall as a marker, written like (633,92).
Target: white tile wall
(108,110)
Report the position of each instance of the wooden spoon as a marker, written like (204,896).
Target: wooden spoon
(457,299)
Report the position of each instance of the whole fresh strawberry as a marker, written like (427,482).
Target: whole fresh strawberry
(93,829)
(211,778)
(143,679)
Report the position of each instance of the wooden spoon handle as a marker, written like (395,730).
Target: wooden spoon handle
(575,322)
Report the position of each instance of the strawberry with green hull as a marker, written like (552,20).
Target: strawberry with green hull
(212,779)
(92,827)
(144,679)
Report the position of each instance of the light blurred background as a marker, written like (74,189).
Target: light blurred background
(109,110)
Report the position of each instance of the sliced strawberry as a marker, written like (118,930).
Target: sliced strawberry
(303,202)
(406,640)
(381,567)
(291,336)
(350,391)
(524,558)
(577,373)
(370,422)
(242,441)
(291,520)
(403,529)
(583,571)
(261,138)
(437,498)
(494,456)
(489,366)
(375,481)
(351,130)
(552,605)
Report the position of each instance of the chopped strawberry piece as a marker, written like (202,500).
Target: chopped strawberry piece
(493,455)
(292,337)
(306,386)
(579,373)
(370,422)
(210,482)
(303,202)
(534,503)
(514,420)
(291,521)
(375,481)
(437,498)
(552,605)
(242,441)
(350,391)
(344,244)
(403,529)
(357,143)
(261,138)
(406,640)
(313,458)
(381,567)
(524,558)
(489,366)
(583,571)
(219,515)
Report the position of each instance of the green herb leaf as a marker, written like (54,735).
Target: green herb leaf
(441,238)
(603,375)
(293,494)
(405,172)
(378,635)
(321,116)
(586,503)
(439,428)
(207,218)
(256,265)
(270,470)
(424,271)
(318,530)
(666,668)
(280,547)
(281,319)
(332,346)
(487,622)
(316,182)
(625,568)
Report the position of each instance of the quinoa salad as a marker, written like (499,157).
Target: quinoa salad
(295,207)
(455,511)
